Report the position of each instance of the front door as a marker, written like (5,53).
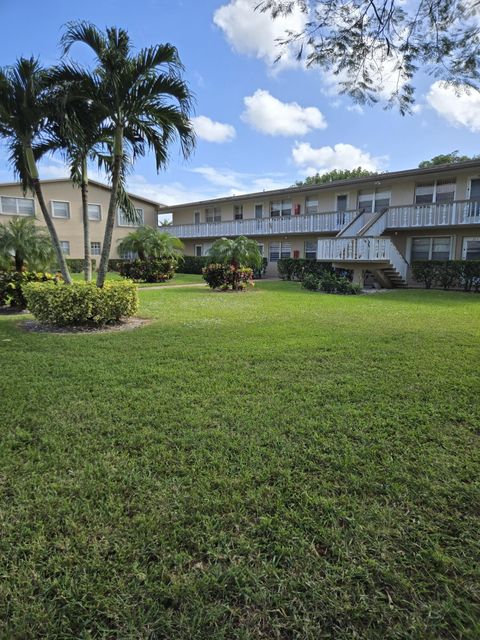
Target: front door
(475,189)
(258,211)
(341,208)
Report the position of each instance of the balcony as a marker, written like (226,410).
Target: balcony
(459,212)
(310,223)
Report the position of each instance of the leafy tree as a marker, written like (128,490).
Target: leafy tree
(238,252)
(336,174)
(25,101)
(357,40)
(148,242)
(446,158)
(165,223)
(143,98)
(27,243)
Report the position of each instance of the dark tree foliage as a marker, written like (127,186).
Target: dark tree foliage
(361,41)
(446,158)
(336,174)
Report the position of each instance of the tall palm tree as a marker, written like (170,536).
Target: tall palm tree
(238,252)
(149,242)
(24,105)
(27,243)
(144,99)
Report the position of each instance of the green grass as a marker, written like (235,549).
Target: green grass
(276,464)
(178,278)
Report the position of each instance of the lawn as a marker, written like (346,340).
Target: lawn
(276,464)
(178,278)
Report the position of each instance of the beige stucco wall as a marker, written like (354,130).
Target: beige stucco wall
(72,228)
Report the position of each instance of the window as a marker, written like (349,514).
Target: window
(213,214)
(95,248)
(373,201)
(60,209)
(129,255)
(342,202)
(311,204)
(198,250)
(310,249)
(238,211)
(285,250)
(94,212)
(471,249)
(435,191)
(281,208)
(65,247)
(431,248)
(259,211)
(123,220)
(17,206)
(274,253)
(196,217)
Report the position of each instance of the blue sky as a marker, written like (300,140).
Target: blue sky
(261,125)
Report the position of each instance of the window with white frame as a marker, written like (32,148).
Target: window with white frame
(471,249)
(95,248)
(60,209)
(427,248)
(311,204)
(213,214)
(17,206)
(238,211)
(124,220)
(435,191)
(274,251)
(311,249)
(65,247)
(129,255)
(94,212)
(285,250)
(373,201)
(198,250)
(281,208)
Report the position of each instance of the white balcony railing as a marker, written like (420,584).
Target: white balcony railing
(311,223)
(361,249)
(434,215)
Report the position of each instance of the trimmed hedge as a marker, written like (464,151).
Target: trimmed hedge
(192,264)
(13,282)
(81,303)
(449,274)
(151,270)
(225,276)
(298,268)
(75,265)
(330,282)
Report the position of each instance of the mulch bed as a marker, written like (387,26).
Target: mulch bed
(125,325)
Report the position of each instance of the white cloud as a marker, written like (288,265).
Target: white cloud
(340,156)
(273,117)
(237,182)
(458,107)
(256,34)
(212,131)
(355,108)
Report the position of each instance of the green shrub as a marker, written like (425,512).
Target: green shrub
(81,303)
(337,283)
(310,282)
(114,264)
(13,282)
(192,264)
(448,273)
(225,276)
(150,270)
(75,265)
(260,272)
(298,268)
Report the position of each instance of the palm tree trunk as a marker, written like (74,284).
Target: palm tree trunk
(37,188)
(87,267)
(18,262)
(112,207)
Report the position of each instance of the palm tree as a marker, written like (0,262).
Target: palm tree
(238,252)
(22,239)
(24,105)
(148,242)
(143,98)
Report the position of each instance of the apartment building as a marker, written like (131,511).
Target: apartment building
(65,205)
(377,225)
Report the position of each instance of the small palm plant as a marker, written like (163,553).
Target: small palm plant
(148,242)
(23,240)
(238,252)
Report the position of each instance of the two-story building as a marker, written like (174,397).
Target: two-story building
(65,205)
(378,224)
